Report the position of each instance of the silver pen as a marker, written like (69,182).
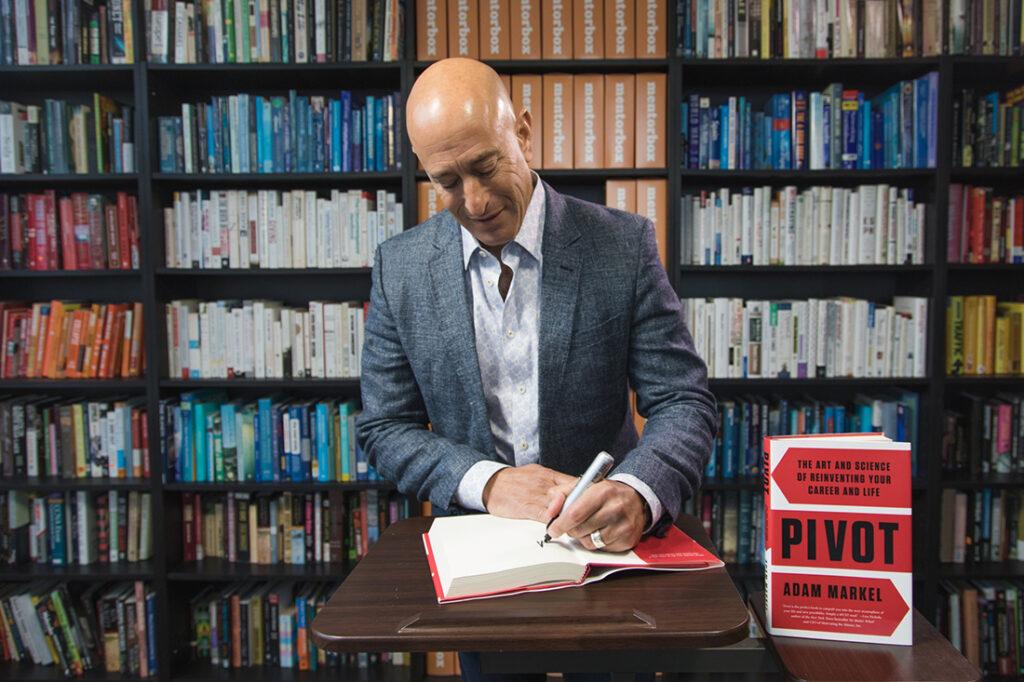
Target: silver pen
(594,473)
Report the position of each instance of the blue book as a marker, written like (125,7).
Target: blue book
(865,142)
(781,140)
(704,155)
(324,461)
(715,142)
(877,138)
(286,136)
(906,124)
(757,141)
(730,442)
(203,405)
(168,146)
(850,132)
(743,449)
(229,442)
(746,146)
(701,46)
(264,453)
(267,155)
(151,630)
(692,123)
(56,529)
(187,453)
(921,118)
(336,124)
(369,126)
(316,135)
(277,134)
(303,443)
(723,136)
(229,135)
(799,128)
(293,131)
(302,134)
(116,142)
(380,135)
(826,132)
(933,118)
(357,140)
(346,131)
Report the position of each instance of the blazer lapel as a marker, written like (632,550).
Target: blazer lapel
(558,293)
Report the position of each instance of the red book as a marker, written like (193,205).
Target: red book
(67,234)
(954,249)
(145,444)
(104,339)
(80,220)
(135,260)
(102,528)
(123,240)
(976,233)
(110,219)
(50,204)
(838,544)
(36,216)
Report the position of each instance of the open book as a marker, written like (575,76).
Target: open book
(479,555)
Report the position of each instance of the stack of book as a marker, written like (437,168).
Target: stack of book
(67,32)
(983,226)
(987,129)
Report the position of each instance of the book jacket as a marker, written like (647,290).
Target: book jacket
(838,546)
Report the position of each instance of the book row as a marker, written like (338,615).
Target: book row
(987,129)
(66,32)
(71,340)
(73,438)
(76,528)
(278,31)
(212,229)
(593,120)
(61,136)
(283,134)
(104,627)
(983,226)
(260,339)
(984,434)
(208,438)
(287,528)
(734,520)
(803,29)
(980,525)
(76,231)
(819,225)
(837,128)
(555,29)
(267,625)
(984,336)
(982,619)
(746,421)
(815,338)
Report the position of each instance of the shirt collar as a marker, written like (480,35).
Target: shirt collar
(530,232)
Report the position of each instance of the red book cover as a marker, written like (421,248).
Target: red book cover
(67,234)
(134,259)
(123,240)
(102,528)
(36,218)
(954,250)
(50,203)
(80,222)
(976,215)
(144,425)
(110,219)
(838,550)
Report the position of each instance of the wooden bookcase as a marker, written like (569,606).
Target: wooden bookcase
(157,90)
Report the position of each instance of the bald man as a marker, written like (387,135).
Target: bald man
(513,324)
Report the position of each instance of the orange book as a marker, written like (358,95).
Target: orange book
(619,29)
(90,364)
(137,347)
(37,337)
(620,194)
(588,29)
(427,201)
(235,601)
(558,120)
(49,340)
(78,323)
(60,352)
(651,26)
(589,120)
(651,202)
(463,29)
(650,120)
(116,345)
(524,36)
(441,663)
(126,343)
(527,93)
(494,29)
(431,30)
(619,124)
(103,361)
(556,29)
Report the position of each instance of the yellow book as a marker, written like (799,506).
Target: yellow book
(986,334)
(1014,313)
(256,629)
(1000,362)
(81,439)
(955,336)
(766,29)
(129,32)
(971,304)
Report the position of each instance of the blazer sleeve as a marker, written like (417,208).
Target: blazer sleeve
(671,385)
(393,427)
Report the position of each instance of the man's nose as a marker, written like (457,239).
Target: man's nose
(476,197)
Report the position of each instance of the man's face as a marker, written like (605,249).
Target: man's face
(480,171)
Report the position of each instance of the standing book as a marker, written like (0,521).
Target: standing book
(479,556)
(838,538)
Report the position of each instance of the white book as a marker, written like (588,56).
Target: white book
(881,341)
(241,25)
(298,206)
(892,208)
(258,339)
(837,223)
(248,332)
(112,511)
(330,334)
(277,344)
(285,229)
(847,334)
(881,224)
(218,32)
(916,307)
(316,328)
(852,252)
(866,234)
(917,255)
(273,236)
(773,233)
(244,230)
(180,50)
(789,237)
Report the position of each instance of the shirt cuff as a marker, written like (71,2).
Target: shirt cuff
(470,493)
(645,492)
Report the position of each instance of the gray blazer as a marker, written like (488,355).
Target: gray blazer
(609,318)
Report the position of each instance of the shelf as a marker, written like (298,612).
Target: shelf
(74,385)
(754,482)
(381,672)
(874,282)
(588,175)
(695,178)
(985,383)
(29,672)
(73,484)
(278,486)
(261,384)
(222,570)
(816,384)
(70,274)
(568,65)
(1012,177)
(74,181)
(808,74)
(985,569)
(184,79)
(142,570)
(263,272)
(77,77)
(277,180)
(983,481)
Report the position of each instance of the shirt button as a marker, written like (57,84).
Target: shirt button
(510,333)
(490,282)
(524,445)
(483,254)
(522,389)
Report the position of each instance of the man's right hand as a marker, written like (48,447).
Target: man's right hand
(526,492)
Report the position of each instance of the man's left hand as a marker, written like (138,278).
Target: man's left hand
(613,509)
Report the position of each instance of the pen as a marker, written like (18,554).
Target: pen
(594,473)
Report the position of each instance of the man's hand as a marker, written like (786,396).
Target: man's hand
(611,507)
(526,492)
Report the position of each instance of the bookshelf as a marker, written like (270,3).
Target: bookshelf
(159,89)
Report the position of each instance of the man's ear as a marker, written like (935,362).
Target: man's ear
(524,134)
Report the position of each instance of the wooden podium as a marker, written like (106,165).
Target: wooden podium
(636,621)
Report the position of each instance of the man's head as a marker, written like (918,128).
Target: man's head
(474,147)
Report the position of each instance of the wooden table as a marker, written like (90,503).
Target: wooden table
(636,621)
(931,657)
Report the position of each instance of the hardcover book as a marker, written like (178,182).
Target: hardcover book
(480,556)
(838,538)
